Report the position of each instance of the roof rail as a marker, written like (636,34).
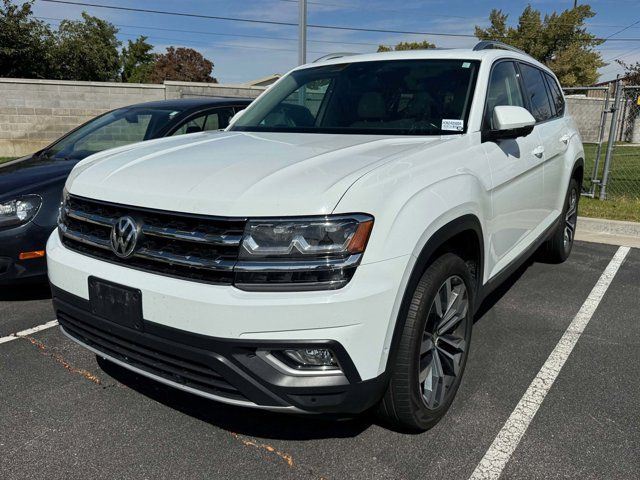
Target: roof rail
(331,56)
(492,44)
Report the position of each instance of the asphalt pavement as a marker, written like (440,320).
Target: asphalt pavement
(63,416)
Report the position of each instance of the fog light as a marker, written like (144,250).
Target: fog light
(312,358)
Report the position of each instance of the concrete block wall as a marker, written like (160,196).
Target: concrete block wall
(587,113)
(190,90)
(34,113)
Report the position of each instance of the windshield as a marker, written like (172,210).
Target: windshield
(394,97)
(114,129)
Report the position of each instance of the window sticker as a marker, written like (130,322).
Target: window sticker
(466,64)
(452,125)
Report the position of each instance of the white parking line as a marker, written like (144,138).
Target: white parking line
(505,443)
(28,331)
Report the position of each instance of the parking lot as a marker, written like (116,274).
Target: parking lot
(62,416)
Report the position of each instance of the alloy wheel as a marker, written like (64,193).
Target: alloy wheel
(570,219)
(444,346)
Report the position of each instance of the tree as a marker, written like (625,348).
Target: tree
(25,43)
(137,61)
(631,72)
(407,46)
(182,64)
(560,41)
(87,49)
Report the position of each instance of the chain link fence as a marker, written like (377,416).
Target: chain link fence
(612,168)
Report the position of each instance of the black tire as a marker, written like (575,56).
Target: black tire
(408,404)
(558,248)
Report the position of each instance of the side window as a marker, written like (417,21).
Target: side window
(208,121)
(556,95)
(539,103)
(504,89)
(192,126)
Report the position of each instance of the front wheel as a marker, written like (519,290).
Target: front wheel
(433,347)
(558,248)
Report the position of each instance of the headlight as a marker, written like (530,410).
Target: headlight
(19,210)
(303,253)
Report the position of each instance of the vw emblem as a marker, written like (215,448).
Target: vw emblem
(124,236)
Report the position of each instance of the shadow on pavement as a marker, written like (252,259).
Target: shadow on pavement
(25,292)
(495,296)
(241,420)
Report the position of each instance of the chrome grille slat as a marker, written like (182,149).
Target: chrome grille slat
(84,238)
(89,217)
(196,262)
(175,244)
(174,234)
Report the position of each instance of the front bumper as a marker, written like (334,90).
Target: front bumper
(25,238)
(216,333)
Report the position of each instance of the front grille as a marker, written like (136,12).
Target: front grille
(175,244)
(188,372)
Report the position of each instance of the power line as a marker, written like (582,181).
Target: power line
(200,32)
(292,24)
(622,30)
(254,21)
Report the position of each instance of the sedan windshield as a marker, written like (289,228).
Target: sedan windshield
(393,97)
(114,129)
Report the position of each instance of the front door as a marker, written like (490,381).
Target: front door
(517,175)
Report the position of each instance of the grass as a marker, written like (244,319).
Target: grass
(7,159)
(614,209)
(623,189)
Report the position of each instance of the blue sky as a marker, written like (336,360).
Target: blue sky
(240,57)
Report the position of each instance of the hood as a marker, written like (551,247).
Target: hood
(32,174)
(239,173)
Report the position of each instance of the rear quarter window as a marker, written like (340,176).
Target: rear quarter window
(556,95)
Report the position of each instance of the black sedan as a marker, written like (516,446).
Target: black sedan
(30,188)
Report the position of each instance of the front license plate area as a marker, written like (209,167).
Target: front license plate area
(117,303)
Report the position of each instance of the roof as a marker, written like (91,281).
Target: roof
(264,81)
(194,103)
(432,53)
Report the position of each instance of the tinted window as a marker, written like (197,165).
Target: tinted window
(556,95)
(396,97)
(504,89)
(207,121)
(539,104)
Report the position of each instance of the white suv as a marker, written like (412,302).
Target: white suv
(328,251)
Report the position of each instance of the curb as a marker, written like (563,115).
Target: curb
(613,232)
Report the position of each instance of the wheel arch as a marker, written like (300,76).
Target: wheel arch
(578,170)
(463,236)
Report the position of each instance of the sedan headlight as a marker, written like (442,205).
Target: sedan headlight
(19,210)
(315,253)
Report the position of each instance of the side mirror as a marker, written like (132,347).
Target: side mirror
(510,122)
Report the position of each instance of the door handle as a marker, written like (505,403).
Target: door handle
(565,138)
(538,151)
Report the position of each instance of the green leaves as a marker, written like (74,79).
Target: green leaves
(559,40)
(87,49)
(407,46)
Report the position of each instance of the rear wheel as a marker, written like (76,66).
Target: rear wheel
(558,248)
(433,348)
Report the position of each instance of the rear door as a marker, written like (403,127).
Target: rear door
(553,133)
(554,184)
(516,172)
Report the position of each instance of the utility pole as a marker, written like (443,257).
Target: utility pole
(575,3)
(302,33)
